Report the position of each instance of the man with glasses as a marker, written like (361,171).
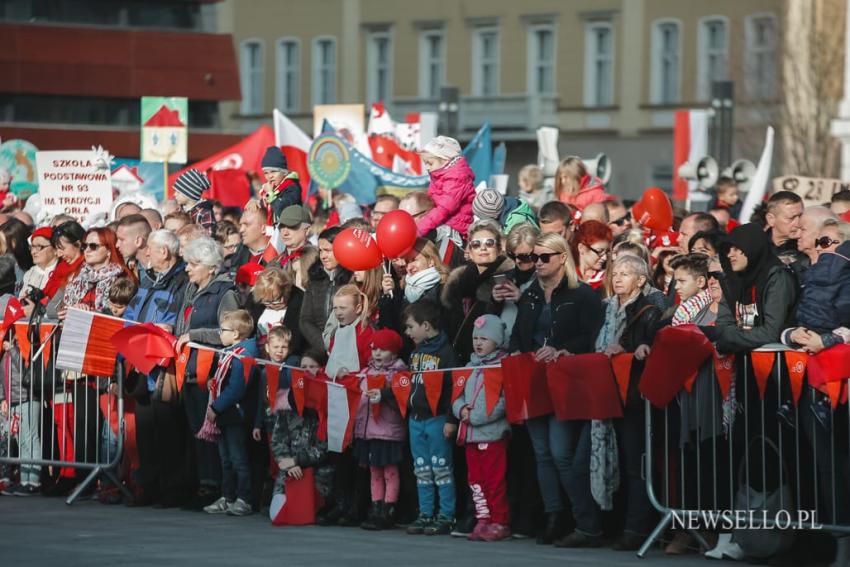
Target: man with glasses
(619,218)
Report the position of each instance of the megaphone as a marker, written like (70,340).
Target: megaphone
(547,150)
(742,171)
(600,167)
(705,172)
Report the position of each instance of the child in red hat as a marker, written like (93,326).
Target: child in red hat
(379,434)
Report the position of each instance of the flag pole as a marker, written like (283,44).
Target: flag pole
(165,179)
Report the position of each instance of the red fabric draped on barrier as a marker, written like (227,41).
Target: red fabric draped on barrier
(584,387)
(526,392)
(677,354)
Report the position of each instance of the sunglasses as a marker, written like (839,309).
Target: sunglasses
(599,253)
(622,220)
(92,246)
(716,275)
(487,243)
(522,258)
(545,257)
(825,242)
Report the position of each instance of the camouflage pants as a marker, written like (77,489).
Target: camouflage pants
(324,477)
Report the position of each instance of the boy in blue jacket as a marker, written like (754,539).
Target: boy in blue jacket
(227,388)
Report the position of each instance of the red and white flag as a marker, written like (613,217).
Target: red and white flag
(342,409)
(86,343)
(394,144)
(690,144)
(295,145)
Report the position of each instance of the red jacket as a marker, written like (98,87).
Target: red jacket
(592,191)
(453,189)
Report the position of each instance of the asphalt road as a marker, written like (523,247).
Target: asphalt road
(44,531)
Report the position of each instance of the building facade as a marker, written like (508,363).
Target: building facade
(608,73)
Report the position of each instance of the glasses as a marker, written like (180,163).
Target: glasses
(231,246)
(522,258)
(486,243)
(599,253)
(825,242)
(223,330)
(545,257)
(38,247)
(622,220)
(92,246)
(274,302)
(716,275)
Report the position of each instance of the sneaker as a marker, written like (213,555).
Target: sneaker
(21,490)
(496,532)
(578,539)
(239,508)
(442,525)
(419,525)
(478,533)
(217,507)
(726,549)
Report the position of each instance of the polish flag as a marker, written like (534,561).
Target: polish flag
(690,144)
(295,145)
(342,409)
(86,343)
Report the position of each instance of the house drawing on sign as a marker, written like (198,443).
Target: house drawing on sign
(164,137)
(126,179)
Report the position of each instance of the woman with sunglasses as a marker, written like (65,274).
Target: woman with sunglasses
(89,288)
(281,302)
(559,316)
(590,248)
(468,292)
(831,235)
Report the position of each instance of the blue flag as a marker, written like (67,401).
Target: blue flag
(479,154)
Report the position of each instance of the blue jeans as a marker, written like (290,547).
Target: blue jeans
(432,465)
(562,452)
(235,470)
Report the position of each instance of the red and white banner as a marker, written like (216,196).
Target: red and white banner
(394,144)
(690,144)
(86,343)
(295,145)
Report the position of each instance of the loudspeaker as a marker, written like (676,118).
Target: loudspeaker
(600,167)
(547,150)
(705,172)
(742,171)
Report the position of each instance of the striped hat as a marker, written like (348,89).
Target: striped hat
(488,204)
(192,183)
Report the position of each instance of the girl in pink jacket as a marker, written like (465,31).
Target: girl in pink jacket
(452,187)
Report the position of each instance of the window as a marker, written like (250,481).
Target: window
(761,44)
(431,64)
(541,59)
(251,76)
(599,64)
(380,85)
(485,61)
(665,62)
(288,74)
(713,52)
(324,70)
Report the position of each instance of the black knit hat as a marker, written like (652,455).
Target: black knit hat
(192,184)
(274,159)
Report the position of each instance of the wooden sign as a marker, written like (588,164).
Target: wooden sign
(813,190)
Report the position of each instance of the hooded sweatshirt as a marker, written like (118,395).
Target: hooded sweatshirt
(431,354)
(452,188)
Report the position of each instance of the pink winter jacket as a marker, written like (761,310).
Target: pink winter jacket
(452,189)
(592,191)
(389,426)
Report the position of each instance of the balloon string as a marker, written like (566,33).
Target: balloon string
(387,264)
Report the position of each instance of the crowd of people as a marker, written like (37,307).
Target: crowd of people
(559,270)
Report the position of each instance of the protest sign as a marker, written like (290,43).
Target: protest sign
(75,183)
(813,190)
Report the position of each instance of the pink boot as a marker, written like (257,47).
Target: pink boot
(496,532)
(479,532)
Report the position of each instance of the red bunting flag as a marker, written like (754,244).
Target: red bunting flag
(459,378)
(203,365)
(433,381)
(401,390)
(621,364)
(248,363)
(724,371)
(14,312)
(677,354)
(526,391)
(44,334)
(298,386)
(796,363)
(762,367)
(180,367)
(376,382)
(24,344)
(272,384)
(583,387)
(492,387)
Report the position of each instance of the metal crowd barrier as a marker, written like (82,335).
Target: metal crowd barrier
(804,452)
(57,419)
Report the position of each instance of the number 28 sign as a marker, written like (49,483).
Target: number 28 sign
(813,190)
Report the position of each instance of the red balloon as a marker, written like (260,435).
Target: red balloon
(654,210)
(396,233)
(356,250)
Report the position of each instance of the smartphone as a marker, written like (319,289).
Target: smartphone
(499,279)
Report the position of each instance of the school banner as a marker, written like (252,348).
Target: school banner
(74,182)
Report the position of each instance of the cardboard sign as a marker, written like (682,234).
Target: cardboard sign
(74,183)
(164,129)
(813,190)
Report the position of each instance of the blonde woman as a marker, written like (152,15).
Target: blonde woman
(282,306)
(558,316)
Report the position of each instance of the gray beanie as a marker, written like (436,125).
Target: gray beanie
(488,204)
(489,327)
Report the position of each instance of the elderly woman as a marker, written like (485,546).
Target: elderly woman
(89,288)
(468,292)
(208,296)
(282,306)
(629,325)
(557,316)
(161,432)
(44,262)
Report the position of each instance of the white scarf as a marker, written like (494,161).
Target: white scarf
(420,282)
(344,353)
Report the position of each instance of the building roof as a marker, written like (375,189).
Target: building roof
(165,117)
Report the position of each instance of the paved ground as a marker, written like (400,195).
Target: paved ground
(44,531)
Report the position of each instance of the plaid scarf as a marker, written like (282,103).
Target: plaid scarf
(222,371)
